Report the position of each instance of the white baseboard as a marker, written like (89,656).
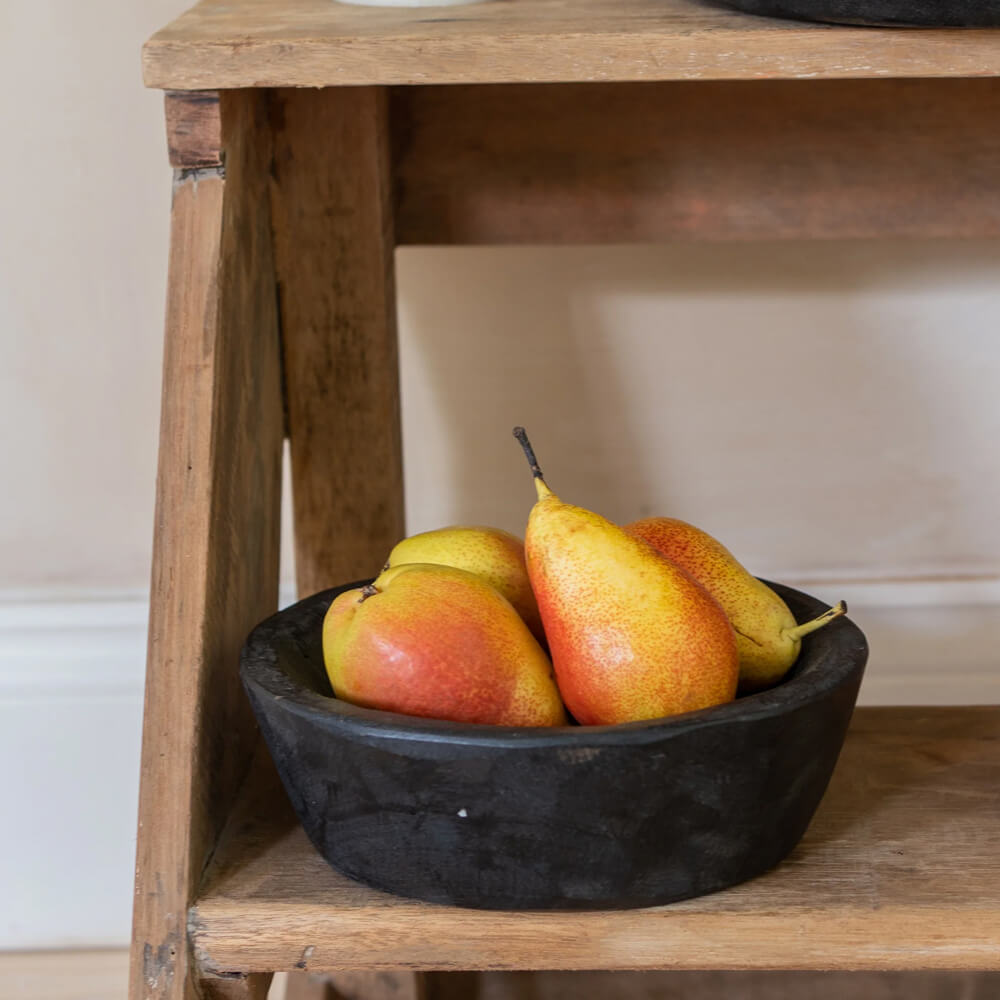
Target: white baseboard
(71,681)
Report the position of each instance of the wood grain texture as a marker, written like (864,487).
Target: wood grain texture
(899,870)
(316,43)
(331,194)
(606,163)
(194,128)
(215,563)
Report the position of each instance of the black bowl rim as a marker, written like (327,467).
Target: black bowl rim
(816,673)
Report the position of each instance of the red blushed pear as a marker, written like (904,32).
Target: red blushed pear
(632,636)
(441,643)
(767,635)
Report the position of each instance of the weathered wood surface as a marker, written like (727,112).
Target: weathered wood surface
(317,43)
(194,129)
(215,565)
(899,870)
(332,210)
(606,163)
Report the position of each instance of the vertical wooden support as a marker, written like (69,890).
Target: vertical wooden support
(215,562)
(333,227)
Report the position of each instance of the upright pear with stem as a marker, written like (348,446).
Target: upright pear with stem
(767,635)
(632,636)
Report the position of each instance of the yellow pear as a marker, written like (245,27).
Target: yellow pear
(495,555)
(767,635)
(441,643)
(632,636)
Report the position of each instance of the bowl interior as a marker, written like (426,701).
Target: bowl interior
(284,658)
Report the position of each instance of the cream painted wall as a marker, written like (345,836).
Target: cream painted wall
(829,410)
(85,192)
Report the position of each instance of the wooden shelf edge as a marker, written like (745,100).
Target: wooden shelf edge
(317,43)
(175,65)
(645,941)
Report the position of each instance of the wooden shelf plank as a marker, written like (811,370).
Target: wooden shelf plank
(315,43)
(899,870)
(719,160)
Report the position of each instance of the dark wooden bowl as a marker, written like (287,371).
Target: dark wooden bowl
(569,818)
(924,13)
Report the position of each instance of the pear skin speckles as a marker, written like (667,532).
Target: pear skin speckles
(759,616)
(438,642)
(632,636)
(495,555)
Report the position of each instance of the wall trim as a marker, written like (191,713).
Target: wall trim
(58,643)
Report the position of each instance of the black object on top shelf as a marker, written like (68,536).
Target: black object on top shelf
(923,13)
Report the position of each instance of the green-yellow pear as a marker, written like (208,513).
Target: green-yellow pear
(497,556)
(632,636)
(767,634)
(441,643)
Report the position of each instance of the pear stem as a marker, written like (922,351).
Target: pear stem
(817,623)
(522,437)
(368,590)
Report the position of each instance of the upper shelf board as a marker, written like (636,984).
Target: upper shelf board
(323,43)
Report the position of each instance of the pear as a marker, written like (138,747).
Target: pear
(441,643)
(767,635)
(632,636)
(496,556)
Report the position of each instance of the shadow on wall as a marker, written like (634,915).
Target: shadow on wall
(825,408)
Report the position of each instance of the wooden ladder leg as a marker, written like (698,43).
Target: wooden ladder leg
(215,564)
(334,245)
(334,242)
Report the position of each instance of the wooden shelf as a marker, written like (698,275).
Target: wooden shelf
(317,43)
(899,870)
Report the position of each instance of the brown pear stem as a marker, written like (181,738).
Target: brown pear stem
(817,623)
(522,437)
(368,590)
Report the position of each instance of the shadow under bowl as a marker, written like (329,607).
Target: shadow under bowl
(575,817)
